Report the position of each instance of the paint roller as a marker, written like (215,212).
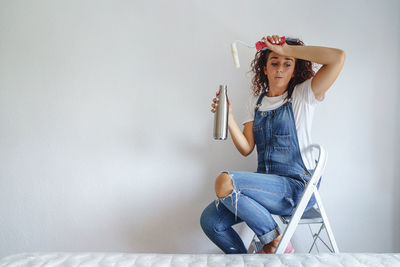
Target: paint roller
(259,46)
(235,52)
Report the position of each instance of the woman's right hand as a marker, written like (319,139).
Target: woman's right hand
(214,105)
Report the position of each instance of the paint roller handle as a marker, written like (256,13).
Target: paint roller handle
(261,45)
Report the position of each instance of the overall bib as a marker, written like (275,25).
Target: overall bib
(276,187)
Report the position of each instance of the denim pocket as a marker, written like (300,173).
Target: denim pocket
(281,142)
(258,135)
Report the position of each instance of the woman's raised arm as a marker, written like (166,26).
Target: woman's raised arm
(332,60)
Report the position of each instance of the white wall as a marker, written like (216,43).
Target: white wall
(106,130)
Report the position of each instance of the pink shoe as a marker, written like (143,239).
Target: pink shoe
(289,249)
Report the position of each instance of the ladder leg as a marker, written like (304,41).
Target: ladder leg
(326,222)
(326,245)
(315,236)
(298,212)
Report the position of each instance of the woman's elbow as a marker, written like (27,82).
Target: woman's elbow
(342,56)
(338,57)
(246,153)
(243,153)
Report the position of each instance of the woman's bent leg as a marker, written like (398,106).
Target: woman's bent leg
(217,225)
(256,196)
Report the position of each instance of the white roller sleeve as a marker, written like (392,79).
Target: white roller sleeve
(235,55)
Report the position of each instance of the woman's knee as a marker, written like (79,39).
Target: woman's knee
(223,185)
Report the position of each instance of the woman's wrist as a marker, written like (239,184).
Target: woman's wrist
(288,51)
(231,119)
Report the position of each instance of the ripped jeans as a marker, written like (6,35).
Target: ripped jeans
(255,197)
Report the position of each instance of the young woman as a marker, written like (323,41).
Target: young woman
(278,122)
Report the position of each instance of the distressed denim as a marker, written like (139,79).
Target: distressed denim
(276,187)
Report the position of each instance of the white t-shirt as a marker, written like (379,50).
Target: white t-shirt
(303,104)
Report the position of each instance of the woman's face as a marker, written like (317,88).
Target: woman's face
(279,69)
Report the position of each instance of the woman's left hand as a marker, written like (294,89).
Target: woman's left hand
(272,43)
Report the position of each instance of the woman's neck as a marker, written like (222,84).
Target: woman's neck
(275,92)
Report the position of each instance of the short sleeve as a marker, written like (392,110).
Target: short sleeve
(249,109)
(304,92)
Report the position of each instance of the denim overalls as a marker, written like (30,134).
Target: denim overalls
(276,187)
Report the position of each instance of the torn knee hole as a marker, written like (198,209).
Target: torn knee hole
(224,185)
(224,194)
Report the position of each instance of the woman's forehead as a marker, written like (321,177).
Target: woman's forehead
(276,56)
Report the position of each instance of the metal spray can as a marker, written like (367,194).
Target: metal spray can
(221,115)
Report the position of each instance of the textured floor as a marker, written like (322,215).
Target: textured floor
(197,260)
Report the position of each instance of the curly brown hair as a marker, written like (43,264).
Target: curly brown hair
(303,71)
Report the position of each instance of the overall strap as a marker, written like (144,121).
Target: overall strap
(258,105)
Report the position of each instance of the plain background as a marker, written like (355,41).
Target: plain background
(106,131)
